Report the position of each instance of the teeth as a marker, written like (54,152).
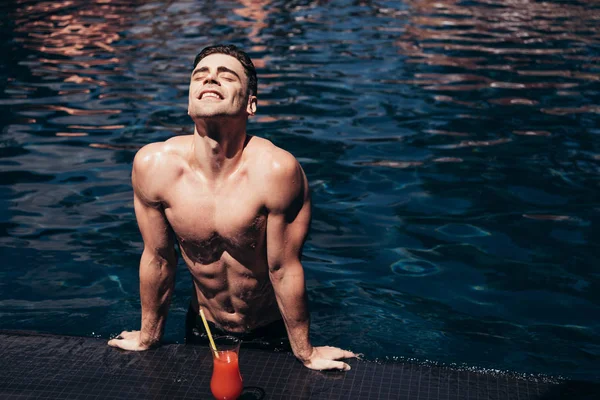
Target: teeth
(209,94)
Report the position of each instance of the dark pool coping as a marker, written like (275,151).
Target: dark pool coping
(35,365)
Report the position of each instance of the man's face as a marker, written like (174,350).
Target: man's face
(218,88)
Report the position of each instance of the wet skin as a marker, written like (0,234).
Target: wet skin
(238,206)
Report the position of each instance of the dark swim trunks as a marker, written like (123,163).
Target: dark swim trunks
(270,337)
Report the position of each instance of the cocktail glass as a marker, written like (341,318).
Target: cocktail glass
(226,382)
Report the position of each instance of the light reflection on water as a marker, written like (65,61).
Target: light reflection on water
(451,148)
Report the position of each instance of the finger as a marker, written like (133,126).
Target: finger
(349,354)
(342,366)
(128,334)
(124,344)
(120,335)
(339,354)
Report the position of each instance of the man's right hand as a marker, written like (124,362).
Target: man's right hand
(129,340)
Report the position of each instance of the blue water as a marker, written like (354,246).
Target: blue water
(452,147)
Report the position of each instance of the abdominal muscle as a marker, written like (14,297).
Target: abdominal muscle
(235,297)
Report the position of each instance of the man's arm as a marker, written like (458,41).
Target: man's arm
(159,259)
(287,228)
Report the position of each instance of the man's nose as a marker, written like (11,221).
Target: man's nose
(211,78)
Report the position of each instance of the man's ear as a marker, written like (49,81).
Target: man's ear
(252,104)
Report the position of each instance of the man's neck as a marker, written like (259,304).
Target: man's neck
(217,148)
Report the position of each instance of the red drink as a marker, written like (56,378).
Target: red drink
(226,381)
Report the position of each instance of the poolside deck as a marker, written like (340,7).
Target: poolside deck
(61,367)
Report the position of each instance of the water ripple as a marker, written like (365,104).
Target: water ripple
(463,132)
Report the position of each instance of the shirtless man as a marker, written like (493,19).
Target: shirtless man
(238,206)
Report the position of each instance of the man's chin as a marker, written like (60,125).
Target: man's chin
(208,115)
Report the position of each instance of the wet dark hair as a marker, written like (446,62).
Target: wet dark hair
(239,55)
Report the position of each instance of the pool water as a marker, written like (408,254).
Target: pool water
(452,148)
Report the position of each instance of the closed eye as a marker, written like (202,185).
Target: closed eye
(222,72)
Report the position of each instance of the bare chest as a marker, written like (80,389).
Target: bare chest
(208,222)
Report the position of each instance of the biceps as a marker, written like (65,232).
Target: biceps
(285,238)
(155,229)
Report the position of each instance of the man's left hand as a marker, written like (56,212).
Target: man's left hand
(326,357)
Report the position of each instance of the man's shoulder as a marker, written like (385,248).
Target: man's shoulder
(281,177)
(159,163)
(163,155)
(273,159)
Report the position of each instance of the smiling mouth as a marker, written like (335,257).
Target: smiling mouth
(210,95)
